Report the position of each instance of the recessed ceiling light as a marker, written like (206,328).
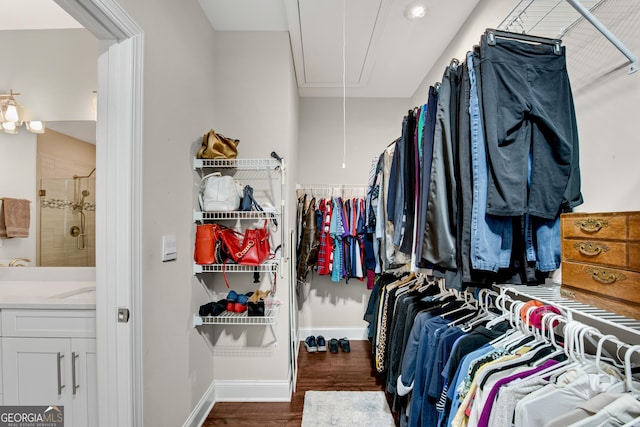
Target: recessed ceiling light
(415,10)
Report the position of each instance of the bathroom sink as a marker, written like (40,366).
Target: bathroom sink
(80,293)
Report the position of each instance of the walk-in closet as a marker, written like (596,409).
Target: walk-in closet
(338,212)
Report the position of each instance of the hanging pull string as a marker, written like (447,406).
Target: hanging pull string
(344,85)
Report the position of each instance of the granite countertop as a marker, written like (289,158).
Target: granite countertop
(74,295)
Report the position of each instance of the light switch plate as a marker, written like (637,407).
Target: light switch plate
(169,251)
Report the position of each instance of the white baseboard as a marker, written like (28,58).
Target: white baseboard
(354,334)
(237,391)
(252,391)
(202,409)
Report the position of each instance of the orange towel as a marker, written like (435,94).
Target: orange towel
(15,216)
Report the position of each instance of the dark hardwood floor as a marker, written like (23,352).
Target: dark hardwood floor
(317,371)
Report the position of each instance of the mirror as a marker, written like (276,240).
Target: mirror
(62,192)
(65,215)
(54,69)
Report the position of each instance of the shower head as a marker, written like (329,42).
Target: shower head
(85,193)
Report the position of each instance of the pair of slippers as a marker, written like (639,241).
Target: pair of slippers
(237,303)
(342,343)
(214,308)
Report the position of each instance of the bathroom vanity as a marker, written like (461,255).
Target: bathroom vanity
(48,347)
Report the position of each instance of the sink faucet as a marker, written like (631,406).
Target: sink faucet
(18,262)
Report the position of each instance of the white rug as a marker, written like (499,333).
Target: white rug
(346,408)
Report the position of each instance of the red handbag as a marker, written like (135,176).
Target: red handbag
(255,247)
(204,250)
(232,242)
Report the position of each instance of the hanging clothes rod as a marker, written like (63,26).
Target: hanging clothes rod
(341,190)
(633,59)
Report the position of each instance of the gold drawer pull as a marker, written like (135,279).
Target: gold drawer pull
(605,276)
(591,248)
(592,225)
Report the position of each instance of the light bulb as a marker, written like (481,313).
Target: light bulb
(415,10)
(11,114)
(418,12)
(9,127)
(35,126)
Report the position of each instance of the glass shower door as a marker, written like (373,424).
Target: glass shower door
(66,235)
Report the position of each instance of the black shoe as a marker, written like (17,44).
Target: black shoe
(344,345)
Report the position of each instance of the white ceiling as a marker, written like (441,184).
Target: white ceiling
(34,15)
(386,54)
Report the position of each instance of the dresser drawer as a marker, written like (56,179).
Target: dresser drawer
(610,282)
(634,256)
(595,226)
(634,226)
(595,252)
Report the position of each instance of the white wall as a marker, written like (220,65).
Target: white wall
(18,181)
(256,102)
(607,115)
(179,97)
(53,70)
(372,124)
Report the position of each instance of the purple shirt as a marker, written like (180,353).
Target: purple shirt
(486,411)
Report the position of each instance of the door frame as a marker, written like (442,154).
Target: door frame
(118,207)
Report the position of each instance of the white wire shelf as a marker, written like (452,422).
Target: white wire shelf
(550,294)
(209,216)
(241,164)
(270,266)
(229,318)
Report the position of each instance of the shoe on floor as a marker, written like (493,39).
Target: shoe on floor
(310,344)
(333,345)
(322,344)
(344,345)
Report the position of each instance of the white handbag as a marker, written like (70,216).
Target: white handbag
(219,193)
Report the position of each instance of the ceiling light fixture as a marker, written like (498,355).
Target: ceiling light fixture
(13,115)
(415,10)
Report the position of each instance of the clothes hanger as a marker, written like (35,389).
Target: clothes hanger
(570,336)
(577,349)
(444,292)
(484,314)
(617,385)
(627,370)
(514,334)
(501,305)
(550,319)
(492,34)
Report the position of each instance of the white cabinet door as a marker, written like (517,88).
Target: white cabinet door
(52,371)
(84,385)
(36,372)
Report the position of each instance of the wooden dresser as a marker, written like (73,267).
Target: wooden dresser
(601,260)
